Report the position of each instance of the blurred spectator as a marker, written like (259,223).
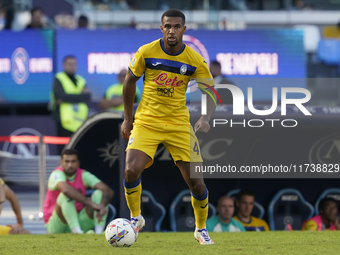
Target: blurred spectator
(297,5)
(65,20)
(7,193)
(83,22)
(238,5)
(66,208)
(113,98)
(69,98)
(224,221)
(225,94)
(120,5)
(245,203)
(327,219)
(36,19)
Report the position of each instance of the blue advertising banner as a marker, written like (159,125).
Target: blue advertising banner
(26,66)
(257,54)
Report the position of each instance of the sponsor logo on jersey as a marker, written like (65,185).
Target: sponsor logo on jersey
(163,80)
(166,92)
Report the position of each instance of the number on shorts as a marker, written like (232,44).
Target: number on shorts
(196,149)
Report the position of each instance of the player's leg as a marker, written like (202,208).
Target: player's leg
(141,148)
(199,200)
(184,148)
(87,216)
(136,161)
(65,212)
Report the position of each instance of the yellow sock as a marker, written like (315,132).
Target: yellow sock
(133,192)
(200,206)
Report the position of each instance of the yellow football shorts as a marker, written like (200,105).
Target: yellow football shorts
(179,140)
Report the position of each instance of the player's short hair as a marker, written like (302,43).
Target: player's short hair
(324,202)
(69,152)
(173,13)
(68,57)
(36,9)
(244,192)
(83,20)
(215,63)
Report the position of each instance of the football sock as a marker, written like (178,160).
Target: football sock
(98,229)
(69,212)
(133,192)
(96,197)
(77,230)
(200,206)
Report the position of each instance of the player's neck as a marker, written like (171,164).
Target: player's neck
(243,218)
(223,220)
(172,50)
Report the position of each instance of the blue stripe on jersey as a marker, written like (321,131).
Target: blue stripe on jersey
(170,63)
(254,228)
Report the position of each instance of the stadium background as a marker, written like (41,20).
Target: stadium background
(293,35)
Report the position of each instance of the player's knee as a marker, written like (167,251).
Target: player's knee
(198,188)
(131,174)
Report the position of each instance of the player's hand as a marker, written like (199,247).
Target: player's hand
(95,206)
(100,214)
(202,125)
(125,129)
(16,229)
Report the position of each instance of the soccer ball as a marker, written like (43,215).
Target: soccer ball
(120,233)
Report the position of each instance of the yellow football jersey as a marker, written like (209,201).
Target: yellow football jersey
(255,224)
(166,78)
(2,183)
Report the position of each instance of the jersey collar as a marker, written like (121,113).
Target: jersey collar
(175,54)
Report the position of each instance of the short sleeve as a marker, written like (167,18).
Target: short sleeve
(55,177)
(202,75)
(89,179)
(137,65)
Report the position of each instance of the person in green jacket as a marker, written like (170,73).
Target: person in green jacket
(113,98)
(224,221)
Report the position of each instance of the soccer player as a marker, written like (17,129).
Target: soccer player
(224,222)
(245,203)
(66,208)
(162,116)
(327,219)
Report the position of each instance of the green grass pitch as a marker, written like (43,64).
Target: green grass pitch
(296,242)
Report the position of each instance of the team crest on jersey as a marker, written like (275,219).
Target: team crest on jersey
(183,69)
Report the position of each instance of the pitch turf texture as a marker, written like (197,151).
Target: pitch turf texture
(298,242)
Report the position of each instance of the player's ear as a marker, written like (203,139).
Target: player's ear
(161,27)
(184,29)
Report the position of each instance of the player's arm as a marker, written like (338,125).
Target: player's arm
(12,198)
(205,82)
(136,70)
(2,196)
(74,194)
(107,192)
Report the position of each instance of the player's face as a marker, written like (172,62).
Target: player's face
(173,30)
(226,209)
(70,66)
(246,205)
(70,163)
(330,211)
